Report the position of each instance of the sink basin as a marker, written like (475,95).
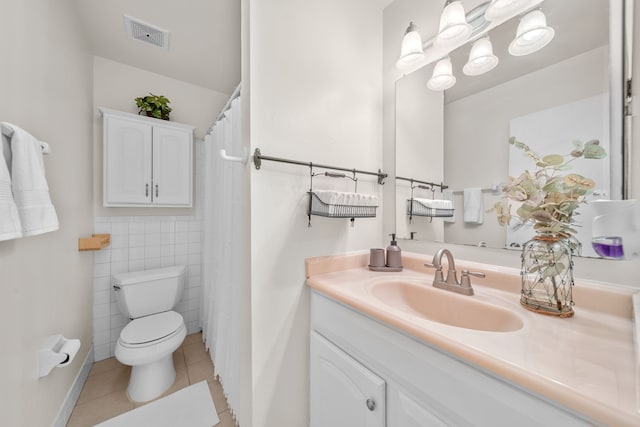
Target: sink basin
(445,307)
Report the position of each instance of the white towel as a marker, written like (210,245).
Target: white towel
(448,195)
(346,198)
(473,206)
(29,184)
(10,227)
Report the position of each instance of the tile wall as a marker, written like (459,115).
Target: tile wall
(142,243)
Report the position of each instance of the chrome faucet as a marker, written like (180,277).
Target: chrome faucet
(451,282)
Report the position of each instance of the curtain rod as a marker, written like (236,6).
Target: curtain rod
(258,158)
(234,95)
(432,184)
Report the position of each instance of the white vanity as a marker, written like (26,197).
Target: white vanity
(385,351)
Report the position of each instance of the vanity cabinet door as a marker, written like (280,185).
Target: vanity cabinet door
(344,393)
(127,161)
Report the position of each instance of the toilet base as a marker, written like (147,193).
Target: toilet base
(150,380)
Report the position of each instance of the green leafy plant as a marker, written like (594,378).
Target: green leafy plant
(154,106)
(548,198)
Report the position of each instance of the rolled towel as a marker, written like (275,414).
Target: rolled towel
(10,226)
(29,184)
(473,206)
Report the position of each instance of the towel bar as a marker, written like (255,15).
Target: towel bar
(8,132)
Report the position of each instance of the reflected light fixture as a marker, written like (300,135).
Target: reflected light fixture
(411,50)
(454,28)
(442,77)
(532,35)
(499,10)
(481,58)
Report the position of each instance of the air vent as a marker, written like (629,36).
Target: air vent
(145,32)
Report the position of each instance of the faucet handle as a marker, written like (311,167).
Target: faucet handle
(465,281)
(438,276)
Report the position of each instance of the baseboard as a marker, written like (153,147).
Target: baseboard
(74,392)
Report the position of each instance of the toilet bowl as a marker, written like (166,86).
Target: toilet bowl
(147,342)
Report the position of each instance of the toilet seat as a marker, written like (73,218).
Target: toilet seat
(149,330)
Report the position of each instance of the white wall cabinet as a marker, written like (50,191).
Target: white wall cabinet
(424,386)
(344,393)
(147,162)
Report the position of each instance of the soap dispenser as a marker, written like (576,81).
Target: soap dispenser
(394,254)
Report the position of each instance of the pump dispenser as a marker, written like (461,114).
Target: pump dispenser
(394,254)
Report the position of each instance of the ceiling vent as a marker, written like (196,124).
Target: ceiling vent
(145,32)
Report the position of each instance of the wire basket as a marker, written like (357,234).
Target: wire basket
(320,208)
(416,208)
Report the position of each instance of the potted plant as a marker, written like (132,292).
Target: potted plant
(548,199)
(156,106)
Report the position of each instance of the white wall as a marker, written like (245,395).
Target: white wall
(116,85)
(476,131)
(315,95)
(45,87)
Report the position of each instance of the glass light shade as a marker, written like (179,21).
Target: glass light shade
(454,28)
(502,9)
(442,77)
(481,58)
(533,34)
(411,50)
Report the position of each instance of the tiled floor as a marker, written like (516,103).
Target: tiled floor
(105,393)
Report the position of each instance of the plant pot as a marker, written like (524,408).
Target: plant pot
(547,276)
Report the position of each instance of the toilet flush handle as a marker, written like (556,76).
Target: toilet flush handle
(116,287)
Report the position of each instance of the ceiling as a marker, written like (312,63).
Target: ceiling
(204,41)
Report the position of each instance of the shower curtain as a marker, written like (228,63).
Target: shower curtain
(223,253)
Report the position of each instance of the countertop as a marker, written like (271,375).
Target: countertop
(586,363)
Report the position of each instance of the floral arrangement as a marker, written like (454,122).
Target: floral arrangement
(548,198)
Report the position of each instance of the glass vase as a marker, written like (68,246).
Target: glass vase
(547,276)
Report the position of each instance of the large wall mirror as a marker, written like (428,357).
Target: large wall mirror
(570,90)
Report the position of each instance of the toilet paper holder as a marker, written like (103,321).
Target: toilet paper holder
(58,352)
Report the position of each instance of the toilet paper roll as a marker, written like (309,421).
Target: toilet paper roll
(70,348)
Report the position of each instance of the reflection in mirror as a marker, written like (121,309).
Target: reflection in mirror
(556,95)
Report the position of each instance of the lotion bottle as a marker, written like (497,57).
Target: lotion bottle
(394,254)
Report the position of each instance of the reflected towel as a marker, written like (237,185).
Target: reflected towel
(435,203)
(10,227)
(448,195)
(29,184)
(473,205)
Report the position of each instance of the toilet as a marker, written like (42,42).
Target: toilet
(155,331)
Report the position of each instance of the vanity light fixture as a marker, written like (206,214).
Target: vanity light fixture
(442,77)
(411,50)
(532,35)
(481,58)
(501,9)
(454,28)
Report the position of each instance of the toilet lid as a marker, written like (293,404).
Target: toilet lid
(151,328)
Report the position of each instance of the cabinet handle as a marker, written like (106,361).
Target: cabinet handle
(146,190)
(371,404)
(156,190)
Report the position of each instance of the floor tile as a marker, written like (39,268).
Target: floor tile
(200,371)
(193,338)
(226,420)
(105,365)
(194,353)
(217,394)
(105,383)
(100,409)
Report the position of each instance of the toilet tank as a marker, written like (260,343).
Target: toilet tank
(141,293)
